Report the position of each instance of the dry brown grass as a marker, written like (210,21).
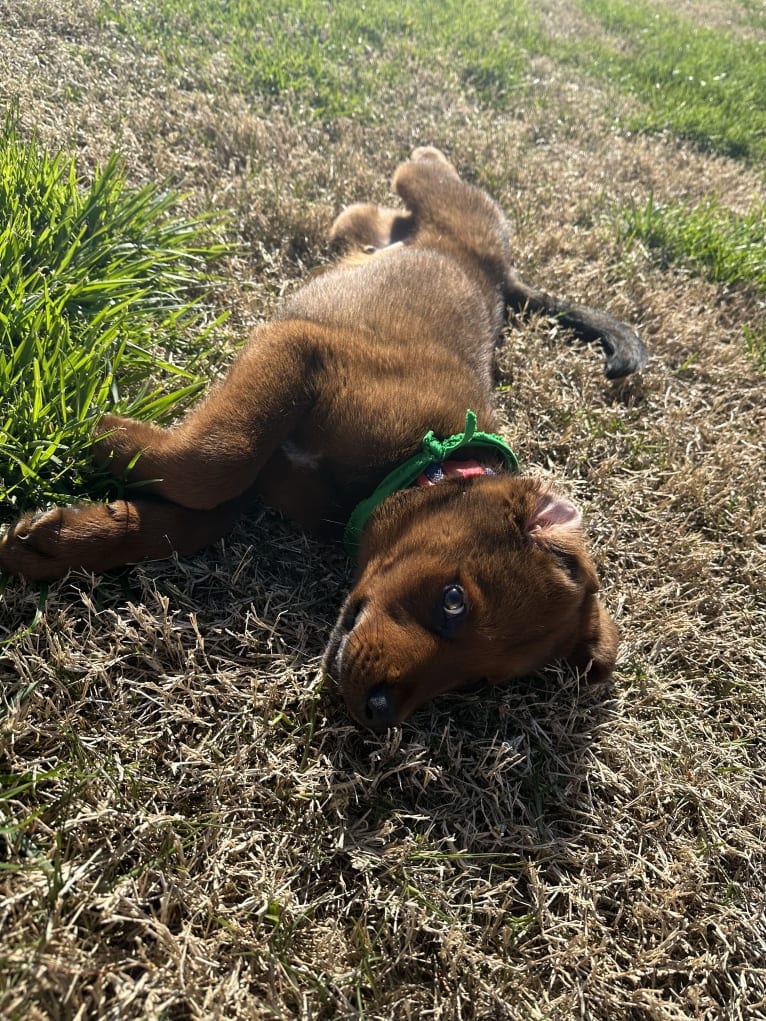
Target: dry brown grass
(204,835)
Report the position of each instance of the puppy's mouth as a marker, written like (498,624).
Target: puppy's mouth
(350,618)
(337,659)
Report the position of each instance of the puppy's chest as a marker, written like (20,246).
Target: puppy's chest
(346,479)
(300,457)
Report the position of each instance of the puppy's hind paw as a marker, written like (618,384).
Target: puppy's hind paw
(111,445)
(27,547)
(430,152)
(43,545)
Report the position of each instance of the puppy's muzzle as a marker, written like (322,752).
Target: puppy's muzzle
(376,708)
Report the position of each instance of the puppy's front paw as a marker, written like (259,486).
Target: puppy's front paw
(118,441)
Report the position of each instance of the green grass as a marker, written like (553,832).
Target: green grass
(700,83)
(710,240)
(331,60)
(726,247)
(704,85)
(96,308)
(344,59)
(18,851)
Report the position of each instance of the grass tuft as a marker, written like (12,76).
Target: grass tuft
(711,240)
(725,246)
(96,287)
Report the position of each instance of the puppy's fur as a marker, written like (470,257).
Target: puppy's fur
(485,577)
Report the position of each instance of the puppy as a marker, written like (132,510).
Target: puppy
(369,397)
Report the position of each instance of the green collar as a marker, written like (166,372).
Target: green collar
(432,451)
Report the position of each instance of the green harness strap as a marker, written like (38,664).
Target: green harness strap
(432,451)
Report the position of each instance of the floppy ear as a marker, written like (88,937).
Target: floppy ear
(553,517)
(556,523)
(596,650)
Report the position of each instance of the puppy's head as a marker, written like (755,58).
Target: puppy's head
(482,579)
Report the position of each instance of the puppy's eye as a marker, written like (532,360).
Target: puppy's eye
(453,601)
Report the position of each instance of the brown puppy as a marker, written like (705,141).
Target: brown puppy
(474,577)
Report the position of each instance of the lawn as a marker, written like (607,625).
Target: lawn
(190,825)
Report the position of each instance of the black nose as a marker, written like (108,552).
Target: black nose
(379,709)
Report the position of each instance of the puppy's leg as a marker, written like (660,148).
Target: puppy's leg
(367,228)
(451,215)
(98,536)
(201,470)
(450,212)
(623,348)
(215,452)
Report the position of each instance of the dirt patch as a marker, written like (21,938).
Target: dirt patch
(742,18)
(566,19)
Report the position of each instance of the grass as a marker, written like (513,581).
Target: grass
(710,239)
(333,60)
(97,309)
(728,248)
(701,83)
(191,828)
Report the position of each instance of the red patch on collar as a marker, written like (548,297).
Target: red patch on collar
(436,473)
